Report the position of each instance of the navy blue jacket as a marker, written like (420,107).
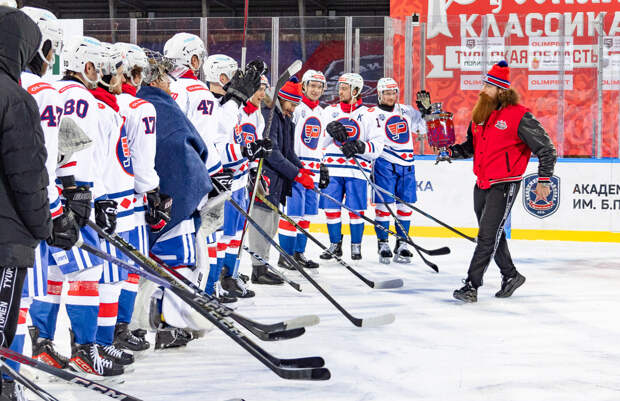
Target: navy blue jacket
(282,166)
(179,160)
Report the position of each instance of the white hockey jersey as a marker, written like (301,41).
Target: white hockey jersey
(248,127)
(357,124)
(398,128)
(113,157)
(308,122)
(140,118)
(50,110)
(201,108)
(81,106)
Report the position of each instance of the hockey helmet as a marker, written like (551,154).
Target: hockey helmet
(218,64)
(355,81)
(313,75)
(81,50)
(385,84)
(182,47)
(50,30)
(133,56)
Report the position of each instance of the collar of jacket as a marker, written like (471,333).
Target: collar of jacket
(106,97)
(387,108)
(130,89)
(309,102)
(189,74)
(348,108)
(249,108)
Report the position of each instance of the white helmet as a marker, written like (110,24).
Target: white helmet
(112,59)
(182,46)
(8,3)
(79,51)
(218,64)
(313,75)
(133,56)
(50,30)
(385,84)
(264,81)
(355,81)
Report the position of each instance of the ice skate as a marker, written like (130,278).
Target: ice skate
(43,350)
(402,254)
(385,253)
(334,248)
(356,251)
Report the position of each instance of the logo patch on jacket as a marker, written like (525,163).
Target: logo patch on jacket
(535,205)
(501,124)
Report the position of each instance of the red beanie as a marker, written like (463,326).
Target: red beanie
(291,91)
(499,75)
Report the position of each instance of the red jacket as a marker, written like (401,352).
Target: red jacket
(502,147)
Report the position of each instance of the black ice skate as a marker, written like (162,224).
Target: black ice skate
(305,263)
(236,287)
(244,277)
(402,254)
(334,248)
(260,275)
(509,285)
(222,295)
(124,338)
(356,251)
(43,350)
(12,391)
(172,337)
(385,253)
(115,354)
(467,293)
(283,263)
(85,358)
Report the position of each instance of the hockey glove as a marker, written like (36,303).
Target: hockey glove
(257,65)
(423,101)
(257,149)
(349,149)
(324,179)
(304,177)
(242,86)
(222,182)
(158,210)
(78,201)
(105,215)
(263,186)
(336,130)
(65,231)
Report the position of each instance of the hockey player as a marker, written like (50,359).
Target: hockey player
(238,147)
(78,176)
(304,202)
(140,122)
(394,170)
(347,135)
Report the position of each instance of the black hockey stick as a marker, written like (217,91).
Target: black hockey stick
(433,252)
(66,375)
(423,213)
(396,220)
(27,383)
(370,322)
(395,283)
(293,369)
(273,269)
(159,268)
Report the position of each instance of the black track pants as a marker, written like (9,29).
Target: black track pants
(492,207)
(11,283)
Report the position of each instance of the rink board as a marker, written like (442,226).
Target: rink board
(584,205)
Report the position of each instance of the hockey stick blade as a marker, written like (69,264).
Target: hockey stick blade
(66,375)
(285,334)
(302,321)
(379,320)
(309,362)
(389,284)
(436,252)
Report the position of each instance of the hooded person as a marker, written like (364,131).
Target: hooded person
(25,218)
(501,137)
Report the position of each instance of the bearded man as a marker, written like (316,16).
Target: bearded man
(501,137)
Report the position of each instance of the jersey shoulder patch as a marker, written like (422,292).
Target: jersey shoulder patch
(194,88)
(371,109)
(174,95)
(137,103)
(38,87)
(101,105)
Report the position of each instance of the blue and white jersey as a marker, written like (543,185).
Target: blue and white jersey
(399,128)
(308,127)
(357,124)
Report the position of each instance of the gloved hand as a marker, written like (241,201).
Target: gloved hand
(304,177)
(105,215)
(263,186)
(336,130)
(222,181)
(423,101)
(65,231)
(257,149)
(242,86)
(353,147)
(324,177)
(158,210)
(258,65)
(77,200)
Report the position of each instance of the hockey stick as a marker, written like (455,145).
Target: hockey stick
(18,377)
(370,322)
(395,283)
(286,75)
(433,252)
(158,268)
(396,220)
(66,375)
(293,369)
(273,269)
(423,213)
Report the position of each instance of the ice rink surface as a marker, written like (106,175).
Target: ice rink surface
(556,338)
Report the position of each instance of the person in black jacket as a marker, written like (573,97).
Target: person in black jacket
(280,169)
(501,138)
(25,218)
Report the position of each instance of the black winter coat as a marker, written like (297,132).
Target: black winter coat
(282,166)
(24,209)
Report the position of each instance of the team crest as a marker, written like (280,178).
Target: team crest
(311,132)
(535,205)
(501,124)
(397,129)
(123,155)
(245,133)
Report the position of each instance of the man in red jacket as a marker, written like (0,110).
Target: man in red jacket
(501,137)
